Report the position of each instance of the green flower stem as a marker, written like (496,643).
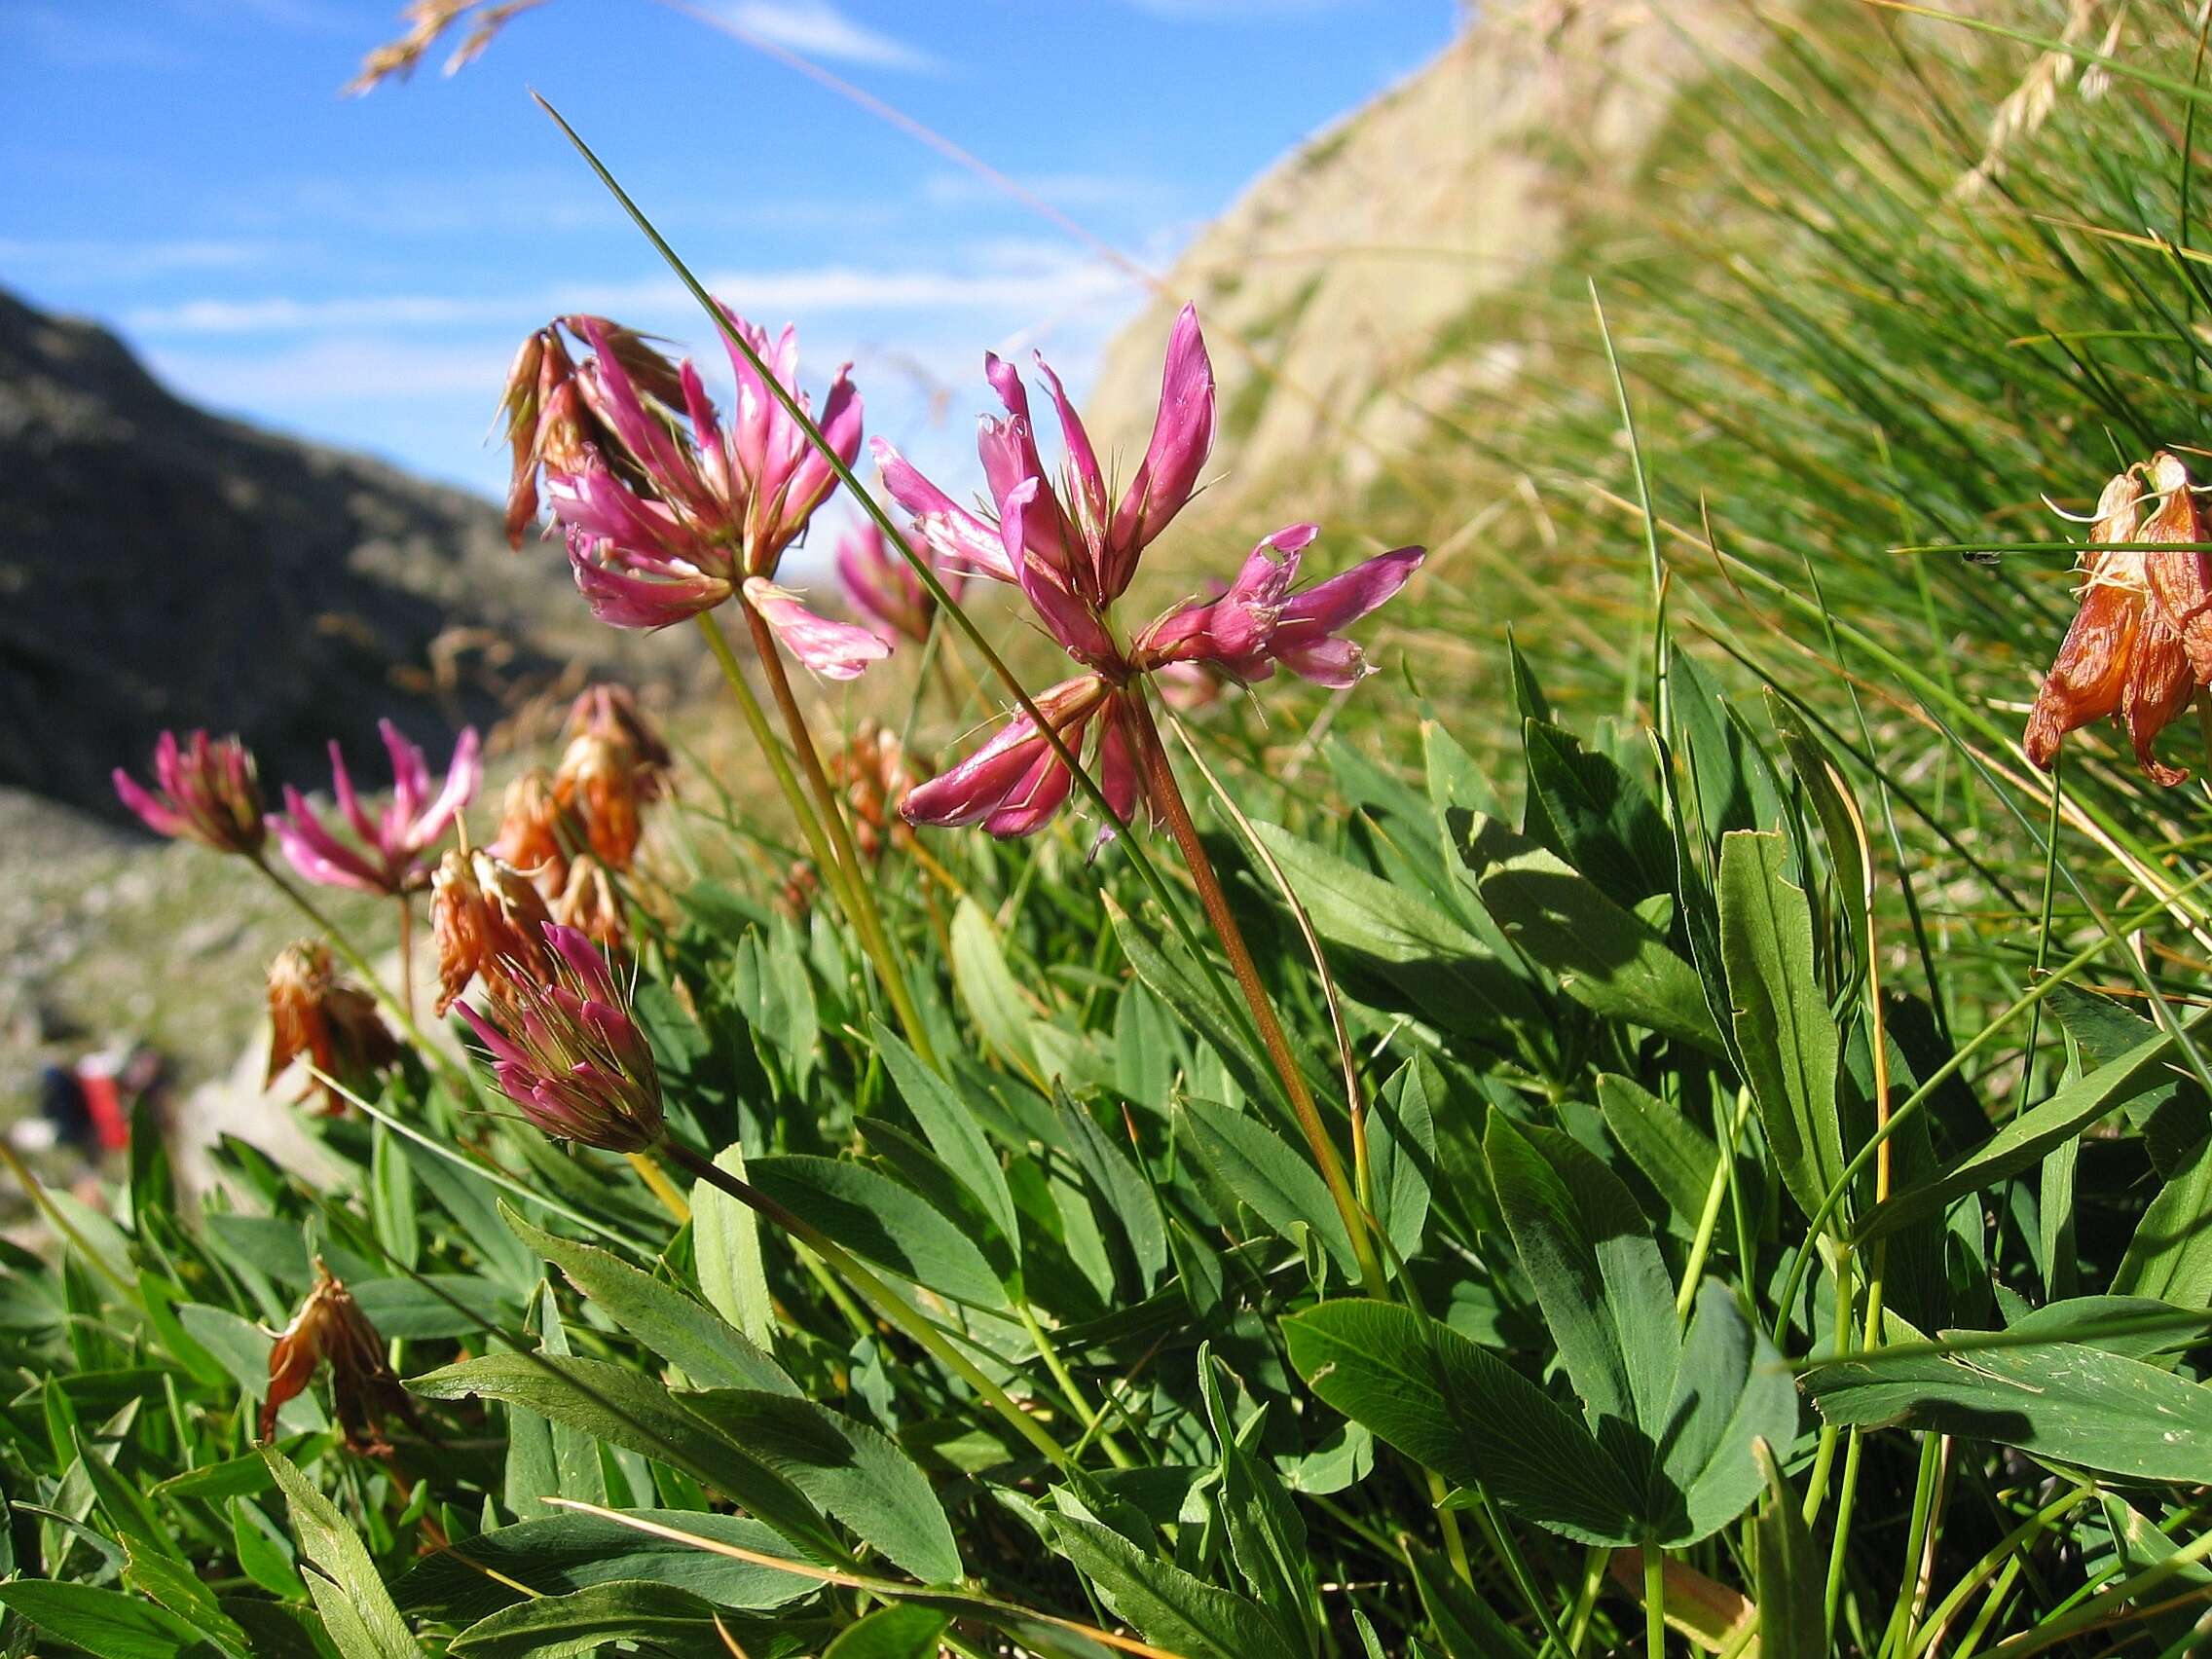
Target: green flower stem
(1708,1220)
(1586,1598)
(878,1295)
(1654,1601)
(1997,1557)
(1167,794)
(860,905)
(1924,1506)
(835,874)
(1092,1418)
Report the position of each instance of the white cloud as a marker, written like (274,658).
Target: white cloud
(99,260)
(333,372)
(1029,285)
(818,28)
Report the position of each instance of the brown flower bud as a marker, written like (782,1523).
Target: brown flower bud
(485,916)
(2144,626)
(611,711)
(589,903)
(597,781)
(877,774)
(331,1327)
(530,835)
(335,1025)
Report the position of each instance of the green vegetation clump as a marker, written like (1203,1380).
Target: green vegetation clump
(1650,1126)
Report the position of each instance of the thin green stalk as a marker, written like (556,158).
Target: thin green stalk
(860,905)
(1092,1418)
(1840,1548)
(1167,794)
(1709,1219)
(1823,1458)
(879,1296)
(1915,1540)
(1999,1555)
(834,875)
(1498,1535)
(1586,1598)
(1654,1601)
(2042,931)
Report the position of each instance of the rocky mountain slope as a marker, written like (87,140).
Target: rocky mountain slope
(1353,295)
(163,566)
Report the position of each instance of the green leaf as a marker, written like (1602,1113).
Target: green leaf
(1784,1033)
(349,1592)
(1606,958)
(994,999)
(1732,1392)
(899,1632)
(584,1622)
(391,1199)
(107,1623)
(1115,1179)
(2170,1255)
(884,1223)
(1466,1414)
(1673,1154)
(1166,1605)
(1403,934)
(854,1472)
(951,1130)
(1192,1001)
(1792,1577)
(167,1579)
(1601,820)
(708,1348)
(1598,1278)
(1266,1537)
(726,1240)
(1257,1168)
(1465,1622)
(626,1409)
(2023,1142)
(1401,1152)
(2066,1402)
(568,1551)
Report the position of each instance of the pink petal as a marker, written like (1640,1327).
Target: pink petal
(836,651)
(1345,599)
(1066,616)
(1181,437)
(1090,482)
(465,773)
(1032,802)
(319,854)
(957,536)
(157,817)
(628,597)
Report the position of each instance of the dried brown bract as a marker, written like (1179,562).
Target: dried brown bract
(333,1024)
(485,916)
(2139,646)
(330,1326)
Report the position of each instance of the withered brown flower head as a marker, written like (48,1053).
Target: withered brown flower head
(877,774)
(611,711)
(589,903)
(2139,646)
(335,1025)
(331,1327)
(530,835)
(555,415)
(600,783)
(485,916)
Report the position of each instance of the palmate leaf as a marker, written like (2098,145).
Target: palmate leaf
(1420,1386)
(1673,1154)
(726,1240)
(586,1621)
(1596,817)
(883,1223)
(626,1409)
(110,1624)
(1606,958)
(1260,1170)
(899,1631)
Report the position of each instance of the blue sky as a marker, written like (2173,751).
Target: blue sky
(360,270)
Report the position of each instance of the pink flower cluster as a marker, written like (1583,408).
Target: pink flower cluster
(1072,551)
(208,794)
